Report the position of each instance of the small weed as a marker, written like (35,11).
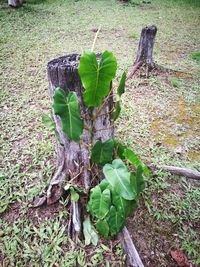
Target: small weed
(176,83)
(196,56)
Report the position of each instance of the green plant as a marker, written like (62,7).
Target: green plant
(116,196)
(196,56)
(176,83)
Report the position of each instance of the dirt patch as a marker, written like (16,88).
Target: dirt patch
(12,213)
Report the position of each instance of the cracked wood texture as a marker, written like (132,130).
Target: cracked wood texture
(145,47)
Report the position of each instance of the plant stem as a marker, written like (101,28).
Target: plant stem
(95,38)
(101,107)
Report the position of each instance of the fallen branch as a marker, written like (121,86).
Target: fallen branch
(133,258)
(189,173)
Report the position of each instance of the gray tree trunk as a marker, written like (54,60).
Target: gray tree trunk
(145,51)
(15,3)
(145,47)
(74,158)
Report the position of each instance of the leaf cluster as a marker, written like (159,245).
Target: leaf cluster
(96,76)
(113,200)
(116,196)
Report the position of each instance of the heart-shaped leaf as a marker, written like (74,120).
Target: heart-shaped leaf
(102,152)
(118,176)
(99,202)
(96,77)
(67,108)
(115,221)
(89,232)
(121,87)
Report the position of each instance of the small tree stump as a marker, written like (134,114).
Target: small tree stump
(145,50)
(15,3)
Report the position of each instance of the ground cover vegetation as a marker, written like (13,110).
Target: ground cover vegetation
(158,120)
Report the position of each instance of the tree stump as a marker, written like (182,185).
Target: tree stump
(74,158)
(15,3)
(145,50)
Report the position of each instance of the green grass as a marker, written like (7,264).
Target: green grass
(196,56)
(48,245)
(158,119)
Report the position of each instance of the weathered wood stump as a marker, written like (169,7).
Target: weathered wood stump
(145,50)
(15,3)
(74,158)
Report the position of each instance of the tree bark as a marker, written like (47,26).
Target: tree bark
(145,47)
(145,50)
(74,158)
(15,3)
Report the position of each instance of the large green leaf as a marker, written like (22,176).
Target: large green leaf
(99,202)
(96,77)
(102,228)
(115,221)
(67,108)
(50,124)
(133,159)
(117,111)
(121,87)
(89,232)
(118,176)
(102,152)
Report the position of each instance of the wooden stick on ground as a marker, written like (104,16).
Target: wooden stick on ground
(133,258)
(189,173)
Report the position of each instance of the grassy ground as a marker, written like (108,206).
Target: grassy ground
(160,121)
